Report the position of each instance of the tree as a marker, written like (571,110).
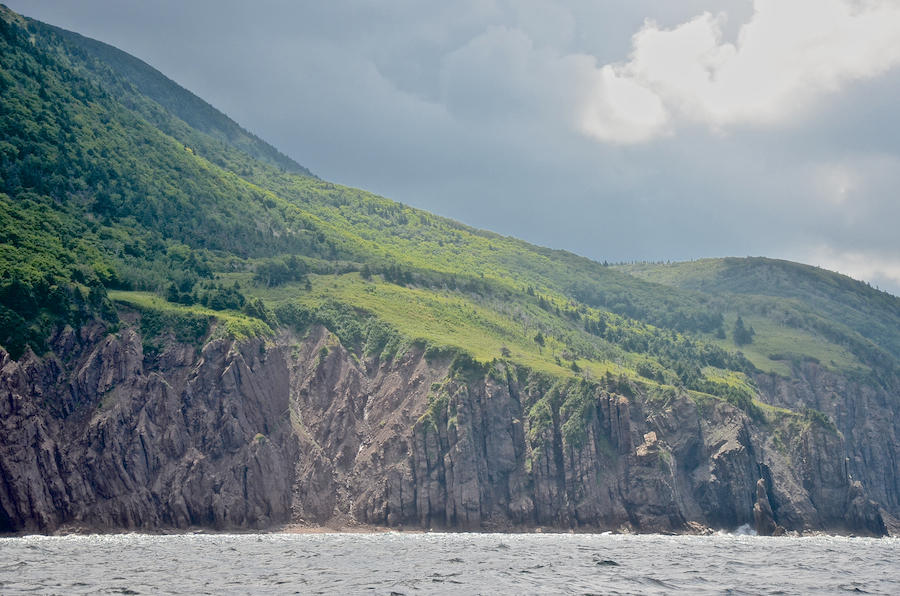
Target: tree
(741,334)
(257,308)
(172,293)
(539,340)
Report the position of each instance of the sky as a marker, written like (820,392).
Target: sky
(619,130)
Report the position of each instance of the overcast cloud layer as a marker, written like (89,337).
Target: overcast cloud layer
(638,130)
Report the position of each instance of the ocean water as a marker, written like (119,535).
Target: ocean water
(436,563)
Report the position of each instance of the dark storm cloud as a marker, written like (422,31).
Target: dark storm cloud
(477,110)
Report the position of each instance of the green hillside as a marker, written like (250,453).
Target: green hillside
(120,190)
(798,310)
(98,57)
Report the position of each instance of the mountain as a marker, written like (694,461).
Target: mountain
(198,333)
(175,99)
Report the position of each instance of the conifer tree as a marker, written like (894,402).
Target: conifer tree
(741,334)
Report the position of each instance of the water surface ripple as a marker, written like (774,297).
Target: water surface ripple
(406,564)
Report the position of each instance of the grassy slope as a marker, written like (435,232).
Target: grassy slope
(796,310)
(422,241)
(445,319)
(228,324)
(872,313)
(774,344)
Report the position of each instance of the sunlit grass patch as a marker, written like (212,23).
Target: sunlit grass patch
(774,344)
(443,319)
(184,319)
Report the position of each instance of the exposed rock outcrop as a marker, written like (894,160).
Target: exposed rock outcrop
(867,416)
(99,441)
(98,434)
(762,512)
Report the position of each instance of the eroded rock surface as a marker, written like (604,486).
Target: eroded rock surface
(100,435)
(762,511)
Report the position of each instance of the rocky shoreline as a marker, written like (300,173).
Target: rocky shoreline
(691,529)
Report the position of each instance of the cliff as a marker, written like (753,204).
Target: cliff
(99,435)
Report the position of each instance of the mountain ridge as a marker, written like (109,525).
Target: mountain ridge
(194,111)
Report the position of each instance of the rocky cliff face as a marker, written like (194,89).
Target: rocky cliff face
(100,435)
(96,435)
(865,457)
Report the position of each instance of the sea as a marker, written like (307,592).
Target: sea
(401,563)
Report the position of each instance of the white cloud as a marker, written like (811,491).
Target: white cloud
(790,53)
(622,111)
